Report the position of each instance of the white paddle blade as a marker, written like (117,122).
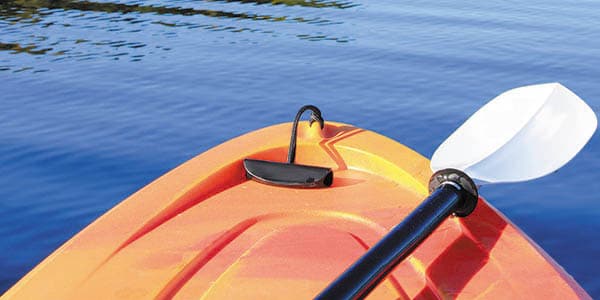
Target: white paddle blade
(522,134)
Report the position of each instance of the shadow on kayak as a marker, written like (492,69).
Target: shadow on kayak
(453,269)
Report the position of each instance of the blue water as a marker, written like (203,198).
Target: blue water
(97,99)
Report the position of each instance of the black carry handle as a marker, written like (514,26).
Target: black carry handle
(290,174)
(284,174)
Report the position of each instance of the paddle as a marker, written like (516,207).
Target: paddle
(522,134)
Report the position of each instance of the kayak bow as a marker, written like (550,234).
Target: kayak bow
(204,230)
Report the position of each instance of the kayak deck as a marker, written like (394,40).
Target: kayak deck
(205,231)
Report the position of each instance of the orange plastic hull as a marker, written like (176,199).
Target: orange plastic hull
(204,231)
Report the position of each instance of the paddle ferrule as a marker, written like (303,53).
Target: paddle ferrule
(450,196)
(461,181)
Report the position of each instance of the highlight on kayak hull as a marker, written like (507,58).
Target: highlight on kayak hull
(205,230)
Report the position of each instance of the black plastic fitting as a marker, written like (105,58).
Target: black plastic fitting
(468,189)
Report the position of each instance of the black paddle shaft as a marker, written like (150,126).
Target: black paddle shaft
(363,276)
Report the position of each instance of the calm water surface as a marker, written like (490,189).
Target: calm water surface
(98,98)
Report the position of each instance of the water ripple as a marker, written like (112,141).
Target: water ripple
(40,16)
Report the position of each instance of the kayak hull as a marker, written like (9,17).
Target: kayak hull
(204,230)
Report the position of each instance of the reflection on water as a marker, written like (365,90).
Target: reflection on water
(30,9)
(312,3)
(24,23)
(31,49)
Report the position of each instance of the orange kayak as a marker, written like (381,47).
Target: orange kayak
(204,230)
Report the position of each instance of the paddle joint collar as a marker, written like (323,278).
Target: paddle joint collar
(463,183)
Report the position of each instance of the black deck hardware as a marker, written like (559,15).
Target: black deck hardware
(288,173)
